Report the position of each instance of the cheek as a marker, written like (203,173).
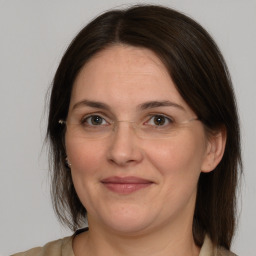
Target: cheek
(84,156)
(86,161)
(179,159)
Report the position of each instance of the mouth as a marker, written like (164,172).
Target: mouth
(125,185)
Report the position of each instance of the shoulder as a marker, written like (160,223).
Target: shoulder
(61,247)
(223,252)
(208,249)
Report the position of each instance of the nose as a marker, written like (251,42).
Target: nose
(124,146)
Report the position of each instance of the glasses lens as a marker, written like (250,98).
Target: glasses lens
(157,129)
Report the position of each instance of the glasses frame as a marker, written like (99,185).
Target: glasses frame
(135,127)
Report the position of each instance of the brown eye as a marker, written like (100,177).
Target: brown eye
(94,120)
(159,120)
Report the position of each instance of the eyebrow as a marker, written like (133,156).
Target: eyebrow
(155,104)
(92,104)
(143,106)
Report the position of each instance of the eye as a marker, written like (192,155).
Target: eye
(94,120)
(159,120)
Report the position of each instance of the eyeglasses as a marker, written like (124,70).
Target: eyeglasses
(154,127)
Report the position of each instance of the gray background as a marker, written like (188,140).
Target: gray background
(33,37)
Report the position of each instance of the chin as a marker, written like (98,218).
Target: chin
(128,221)
(129,228)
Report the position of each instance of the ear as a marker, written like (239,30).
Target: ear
(214,150)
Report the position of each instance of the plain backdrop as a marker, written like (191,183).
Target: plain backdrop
(33,37)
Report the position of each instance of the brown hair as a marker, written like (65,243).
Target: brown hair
(201,76)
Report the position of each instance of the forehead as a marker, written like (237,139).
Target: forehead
(122,75)
(127,55)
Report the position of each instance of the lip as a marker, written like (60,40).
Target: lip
(125,185)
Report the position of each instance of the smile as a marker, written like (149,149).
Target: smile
(125,185)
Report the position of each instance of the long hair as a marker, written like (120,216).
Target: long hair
(201,76)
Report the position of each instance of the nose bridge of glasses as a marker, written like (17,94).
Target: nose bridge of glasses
(127,130)
(132,123)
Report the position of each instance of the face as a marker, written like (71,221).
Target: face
(129,183)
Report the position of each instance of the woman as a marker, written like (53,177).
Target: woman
(144,139)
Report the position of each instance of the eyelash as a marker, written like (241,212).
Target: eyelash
(168,119)
(84,120)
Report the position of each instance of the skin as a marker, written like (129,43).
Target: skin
(155,220)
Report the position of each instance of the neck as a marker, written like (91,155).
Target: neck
(102,241)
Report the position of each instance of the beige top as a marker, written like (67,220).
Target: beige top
(63,247)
